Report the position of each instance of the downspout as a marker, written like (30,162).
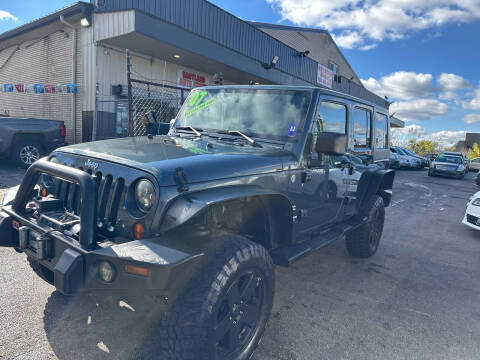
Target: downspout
(74,76)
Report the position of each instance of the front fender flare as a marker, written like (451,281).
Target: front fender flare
(375,181)
(187,206)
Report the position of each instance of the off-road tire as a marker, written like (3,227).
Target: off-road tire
(19,159)
(40,270)
(187,330)
(363,242)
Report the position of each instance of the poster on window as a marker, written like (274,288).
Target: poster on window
(324,76)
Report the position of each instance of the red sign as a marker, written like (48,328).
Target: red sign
(191,80)
(324,76)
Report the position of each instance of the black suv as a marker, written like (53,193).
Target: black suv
(247,177)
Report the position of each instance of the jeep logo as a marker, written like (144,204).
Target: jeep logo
(91,164)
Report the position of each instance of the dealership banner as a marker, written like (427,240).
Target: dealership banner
(324,76)
(39,88)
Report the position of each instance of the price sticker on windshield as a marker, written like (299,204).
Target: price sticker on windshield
(292,130)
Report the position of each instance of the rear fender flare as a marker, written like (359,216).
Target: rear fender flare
(375,182)
(278,208)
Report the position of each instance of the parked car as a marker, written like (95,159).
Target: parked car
(474,164)
(431,157)
(472,213)
(25,140)
(447,165)
(199,217)
(395,162)
(423,160)
(409,162)
(464,158)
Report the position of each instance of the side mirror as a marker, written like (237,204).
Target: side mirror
(330,143)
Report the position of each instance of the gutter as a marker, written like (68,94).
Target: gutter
(74,76)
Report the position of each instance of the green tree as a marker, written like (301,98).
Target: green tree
(474,152)
(423,147)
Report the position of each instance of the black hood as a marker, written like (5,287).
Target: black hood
(200,159)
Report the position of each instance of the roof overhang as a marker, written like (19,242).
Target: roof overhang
(396,122)
(45,25)
(145,34)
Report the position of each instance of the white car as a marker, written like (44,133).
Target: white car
(474,164)
(472,214)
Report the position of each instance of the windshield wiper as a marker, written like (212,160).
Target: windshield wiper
(188,127)
(239,133)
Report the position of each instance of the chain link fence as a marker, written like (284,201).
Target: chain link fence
(154,104)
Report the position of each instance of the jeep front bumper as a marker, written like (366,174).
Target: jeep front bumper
(75,263)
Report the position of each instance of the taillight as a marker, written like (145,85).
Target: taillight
(63,130)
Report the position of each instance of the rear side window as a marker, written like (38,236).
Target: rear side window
(381,131)
(362,128)
(332,117)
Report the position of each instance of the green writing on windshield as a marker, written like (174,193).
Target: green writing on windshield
(199,107)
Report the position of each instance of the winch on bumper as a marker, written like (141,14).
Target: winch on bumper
(123,268)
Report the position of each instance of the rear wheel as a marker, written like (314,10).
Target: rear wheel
(26,152)
(224,311)
(363,242)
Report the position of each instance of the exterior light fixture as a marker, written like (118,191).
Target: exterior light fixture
(273,63)
(176,56)
(303,53)
(85,22)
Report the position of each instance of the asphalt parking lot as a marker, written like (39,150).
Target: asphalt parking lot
(417,298)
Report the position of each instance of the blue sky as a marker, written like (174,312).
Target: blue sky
(423,55)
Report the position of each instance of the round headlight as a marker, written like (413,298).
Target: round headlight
(144,195)
(106,272)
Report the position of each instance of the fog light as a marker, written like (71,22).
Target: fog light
(138,231)
(106,272)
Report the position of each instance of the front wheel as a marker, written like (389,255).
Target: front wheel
(224,311)
(363,242)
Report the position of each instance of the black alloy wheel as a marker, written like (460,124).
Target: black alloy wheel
(237,319)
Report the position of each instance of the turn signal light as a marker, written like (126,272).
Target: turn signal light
(136,270)
(138,231)
(43,192)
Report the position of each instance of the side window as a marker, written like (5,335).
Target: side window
(362,128)
(381,131)
(332,117)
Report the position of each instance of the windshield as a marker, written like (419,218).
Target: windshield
(409,152)
(449,159)
(262,113)
(401,151)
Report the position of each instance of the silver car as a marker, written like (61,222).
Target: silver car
(447,165)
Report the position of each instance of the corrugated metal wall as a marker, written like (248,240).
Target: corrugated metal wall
(213,23)
(321,48)
(47,61)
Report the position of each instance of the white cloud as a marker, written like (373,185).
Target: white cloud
(376,20)
(471,119)
(5,15)
(409,130)
(443,138)
(448,96)
(402,85)
(447,138)
(452,82)
(348,40)
(474,103)
(421,109)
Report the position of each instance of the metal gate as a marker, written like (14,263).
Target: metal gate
(151,104)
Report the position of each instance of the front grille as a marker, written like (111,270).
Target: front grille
(109,192)
(472,219)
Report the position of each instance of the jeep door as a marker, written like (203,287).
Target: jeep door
(322,186)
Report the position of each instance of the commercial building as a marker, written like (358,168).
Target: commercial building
(174,45)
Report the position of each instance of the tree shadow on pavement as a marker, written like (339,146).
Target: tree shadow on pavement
(82,327)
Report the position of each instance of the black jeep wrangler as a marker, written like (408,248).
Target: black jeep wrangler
(248,177)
